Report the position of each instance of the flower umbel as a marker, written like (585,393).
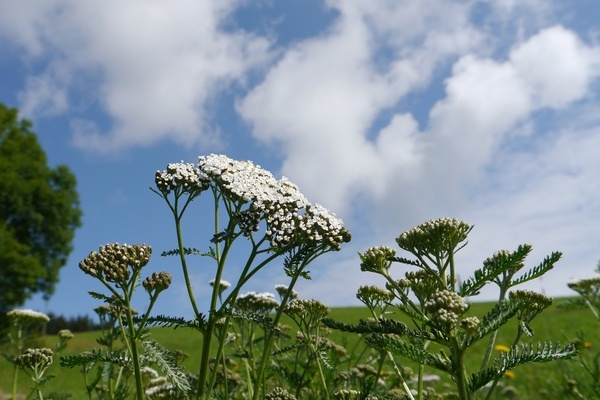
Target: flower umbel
(112,261)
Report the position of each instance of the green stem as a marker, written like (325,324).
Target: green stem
(323,383)
(186,275)
(492,341)
(133,349)
(460,373)
(269,337)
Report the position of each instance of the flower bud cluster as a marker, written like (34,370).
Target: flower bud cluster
(113,260)
(446,307)
(159,281)
(530,303)
(433,237)
(37,359)
(373,296)
(586,287)
(283,289)
(65,334)
(261,303)
(303,308)
(183,177)
(280,394)
(377,259)
(470,324)
(27,317)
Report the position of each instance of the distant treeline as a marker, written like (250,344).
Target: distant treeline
(80,323)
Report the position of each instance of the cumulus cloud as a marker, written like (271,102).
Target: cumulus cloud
(156,64)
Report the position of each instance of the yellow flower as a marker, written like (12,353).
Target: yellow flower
(509,374)
(503,348)
(587,345)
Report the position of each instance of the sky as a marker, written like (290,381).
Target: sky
(388,113)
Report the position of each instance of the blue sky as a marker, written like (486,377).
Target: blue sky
(389,113)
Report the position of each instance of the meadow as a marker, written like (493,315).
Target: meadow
(531,381)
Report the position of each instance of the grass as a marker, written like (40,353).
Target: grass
(532,381)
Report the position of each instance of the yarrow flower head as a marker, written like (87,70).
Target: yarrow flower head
(261,303)
(26,317)
(377,259)
(374,296)
(112,261)
(280,394)
(37,359)
(440,236)
(289,217)
(159,281)
(223,285)
(446,307)
(303,308)
(530,303)
(586,287)
(283,289)
(181,178)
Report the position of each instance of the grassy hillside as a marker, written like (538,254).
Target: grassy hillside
(531,381)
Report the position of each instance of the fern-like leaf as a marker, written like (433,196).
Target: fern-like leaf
(409,350)
(95,355)
(518,355)
(406,261)
(166,360)
(186,251)
(178,322)
(494,319)
(546,265)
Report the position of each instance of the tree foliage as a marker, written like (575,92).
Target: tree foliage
(39,212)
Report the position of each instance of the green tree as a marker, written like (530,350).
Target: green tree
(39,212)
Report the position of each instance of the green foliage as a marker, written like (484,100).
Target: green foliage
(39,212)
(439,314)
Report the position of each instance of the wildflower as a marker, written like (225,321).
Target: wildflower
(502,348)
(65,334)
(509,374)
(181,178)
(27,317)
(373,296)
(530,303)
(223,285)
(37,360)
(586,287)
(261,303)
(446,307)
(440,236)
(283,289)
(347,394)
(377,259)
(159,281)
(470,324)
(313,309)
(112,261)
(587,345)
(280,394)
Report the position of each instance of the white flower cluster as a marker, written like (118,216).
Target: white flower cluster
(185,177)
(288,214)
(446,307)
(160,388)
(283,289)
(256,302)
(223,285)
(27,317)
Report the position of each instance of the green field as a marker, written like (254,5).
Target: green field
(533,381)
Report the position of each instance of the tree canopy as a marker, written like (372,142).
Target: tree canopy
(39,212)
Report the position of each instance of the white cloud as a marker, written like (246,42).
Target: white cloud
(158,64)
